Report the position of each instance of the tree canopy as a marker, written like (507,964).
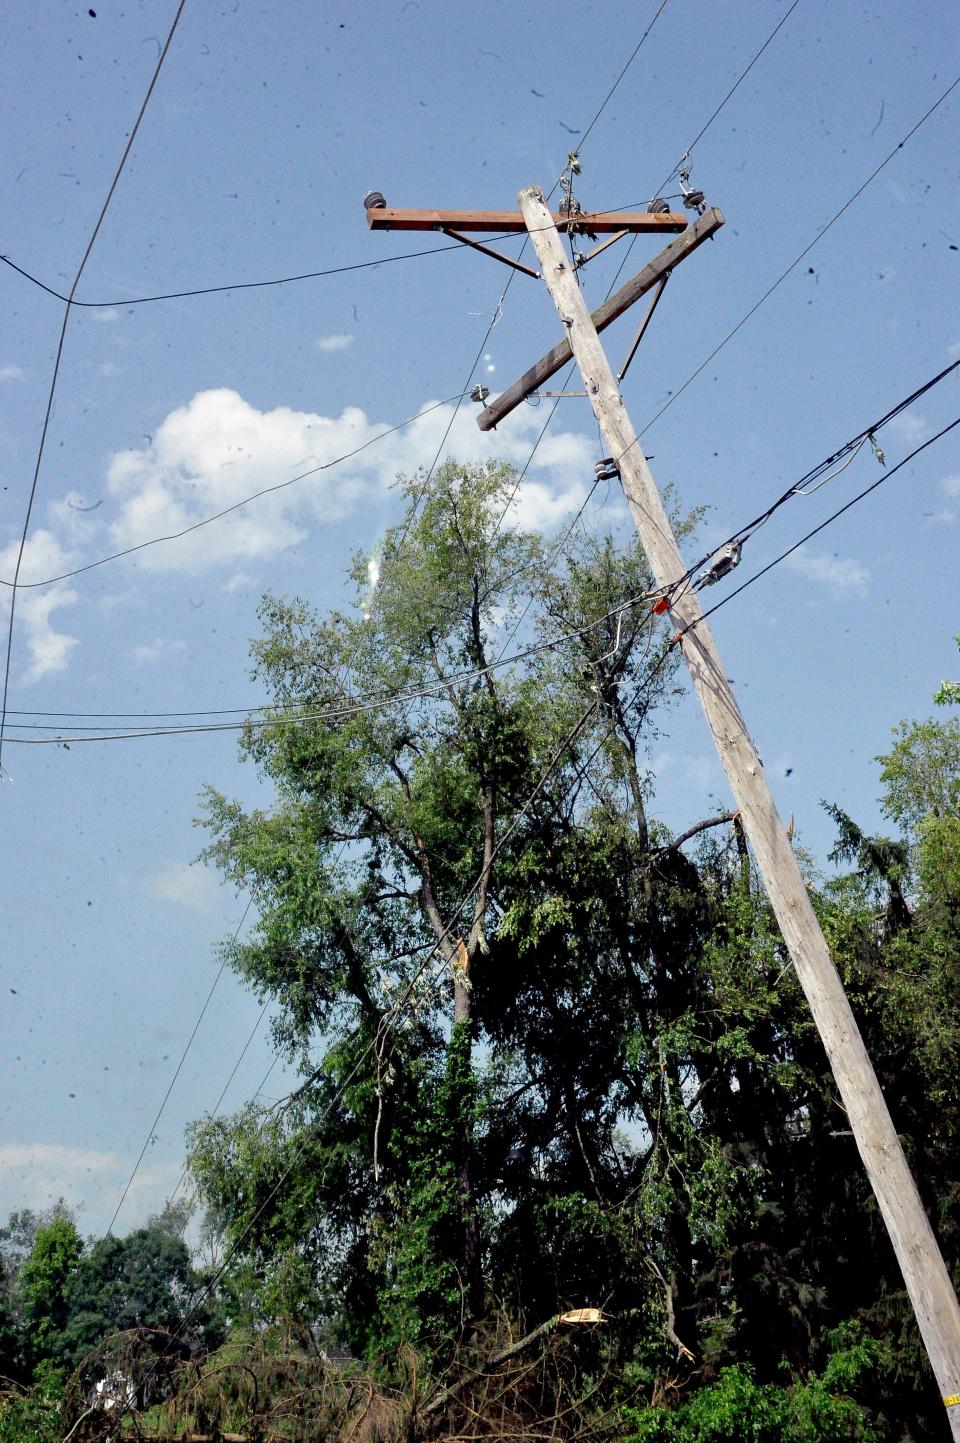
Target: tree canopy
(550,1056)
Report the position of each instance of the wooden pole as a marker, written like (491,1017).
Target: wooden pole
(924,1272)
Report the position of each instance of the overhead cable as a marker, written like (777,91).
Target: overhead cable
(815,531)
(803,254)
(826,470)
(435,690)
(151,1133)
(68,305)
(237,505)
(729,95)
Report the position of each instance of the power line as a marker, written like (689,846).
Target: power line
(805,252)
(68,305)
(265,284)
(632,57)
(730,93)
(830,519)
(434,690)
(233,285)
(393,1012)
(820,474)
(183,1057)
(814,476)
(237,505)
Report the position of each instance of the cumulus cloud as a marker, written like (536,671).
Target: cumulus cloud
(909,428)
(11,373)
(37,1174)
(161,649)
(186,884)
(48,649)
(839,573)
(218,449)
(335,342)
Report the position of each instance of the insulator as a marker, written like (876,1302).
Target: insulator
(373,200)
(607,469)
(694,200)
(657,207)
(479,394)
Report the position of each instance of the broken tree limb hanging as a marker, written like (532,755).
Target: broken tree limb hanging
(702,229)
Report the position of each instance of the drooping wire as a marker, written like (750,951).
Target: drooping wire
(815,531)
(354,707)
(233,285)
(68,306)
(818,475)
(127,301)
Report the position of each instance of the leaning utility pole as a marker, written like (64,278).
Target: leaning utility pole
(926,1277)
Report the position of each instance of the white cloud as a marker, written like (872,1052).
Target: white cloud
(335,342)
(909,428)
(841,574)
(186,884)
(37,1174)
(218,449)
(239,581)
(48,649)
(12,373)
(951,484)
(106,314)
(163,648)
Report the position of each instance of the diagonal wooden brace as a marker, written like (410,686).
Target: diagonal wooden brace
(703,227)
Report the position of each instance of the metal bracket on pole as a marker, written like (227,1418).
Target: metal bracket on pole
(611,240)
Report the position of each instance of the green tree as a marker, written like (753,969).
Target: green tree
(396,835)
(44,1288)
(142,1281)
(550,1057)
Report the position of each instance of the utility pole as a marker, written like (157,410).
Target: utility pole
(927,1281)
(924,1272)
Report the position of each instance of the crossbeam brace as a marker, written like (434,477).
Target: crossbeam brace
(489,251)
(611,240)
(702,229)
(634,344)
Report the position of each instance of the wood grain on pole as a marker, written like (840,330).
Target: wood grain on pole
(927,1280)
(702,229)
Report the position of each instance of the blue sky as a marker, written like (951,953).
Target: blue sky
(268,125)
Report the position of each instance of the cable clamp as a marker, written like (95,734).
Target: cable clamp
(720,564)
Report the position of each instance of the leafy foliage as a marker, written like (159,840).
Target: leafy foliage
(549,1056)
